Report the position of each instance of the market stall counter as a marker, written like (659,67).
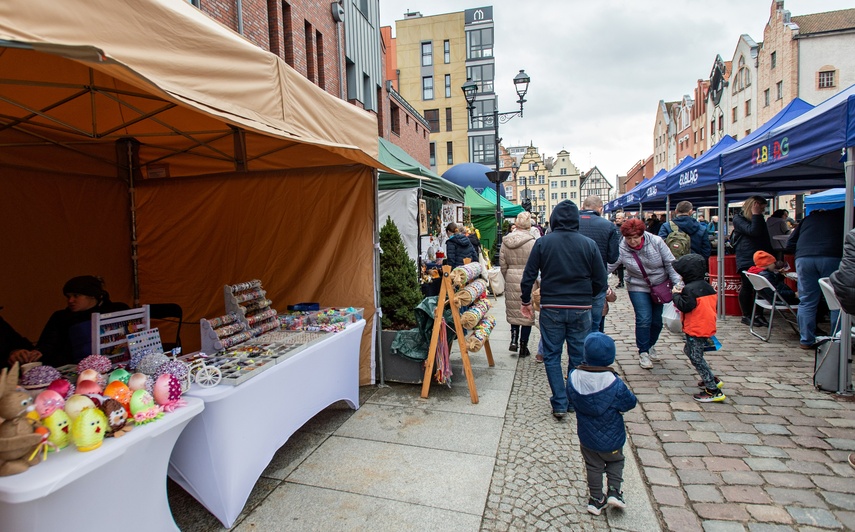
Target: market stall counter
(123,482)
(223,452)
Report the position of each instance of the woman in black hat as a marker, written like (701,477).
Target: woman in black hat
(66,337)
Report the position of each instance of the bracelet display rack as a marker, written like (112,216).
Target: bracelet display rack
(110,331)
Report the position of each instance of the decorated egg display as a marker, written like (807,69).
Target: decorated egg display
(143,408)
(167,392)
(119,375)
(62,387)
(89,429)
(175,367)
(150,363)
(119,391)
(99,363)
(88,387)
(39,376)
(137,381)
(76,403)
(59,425)
(47,402)
(117,418)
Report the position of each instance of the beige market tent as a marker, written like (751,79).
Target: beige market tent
(146,143)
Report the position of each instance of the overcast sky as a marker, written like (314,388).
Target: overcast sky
(598,68)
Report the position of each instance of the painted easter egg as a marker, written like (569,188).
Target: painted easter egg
(167,389)
(47,402)
(119,375)
(137,381)
(76,403)
(88,387)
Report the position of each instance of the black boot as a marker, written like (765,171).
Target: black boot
(515,336)
(524,352)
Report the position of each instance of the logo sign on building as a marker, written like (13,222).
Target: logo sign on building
(479,14)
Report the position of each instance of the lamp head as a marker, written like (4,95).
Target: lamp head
(498,177)
(470,89)
(521,81)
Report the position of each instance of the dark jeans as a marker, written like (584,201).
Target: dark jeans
(648,320)
(557,327)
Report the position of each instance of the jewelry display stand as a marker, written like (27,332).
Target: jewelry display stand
(110,331)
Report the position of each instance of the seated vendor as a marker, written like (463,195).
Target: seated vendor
(14,347)
(66,338)
(767,267)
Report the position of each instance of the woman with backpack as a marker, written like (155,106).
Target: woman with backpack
(750,235)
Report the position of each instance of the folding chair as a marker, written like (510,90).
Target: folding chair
(832,302)
(778,305)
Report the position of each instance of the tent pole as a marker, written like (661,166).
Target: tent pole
(668,208)
(844,374)
(133,208)
(722,230)
(378,312)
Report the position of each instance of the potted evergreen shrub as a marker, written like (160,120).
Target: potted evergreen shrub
(399,296)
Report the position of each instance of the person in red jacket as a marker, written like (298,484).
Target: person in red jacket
(697,302)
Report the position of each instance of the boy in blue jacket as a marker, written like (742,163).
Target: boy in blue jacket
(600,399)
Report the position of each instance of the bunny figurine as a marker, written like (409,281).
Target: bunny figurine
(18,440)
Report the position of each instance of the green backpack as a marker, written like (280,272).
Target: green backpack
(678,242)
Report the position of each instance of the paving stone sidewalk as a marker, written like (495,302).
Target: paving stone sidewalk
(773,457)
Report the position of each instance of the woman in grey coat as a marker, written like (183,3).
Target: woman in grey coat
(656,258)
(516,247)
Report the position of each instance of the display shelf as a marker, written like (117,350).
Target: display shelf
(110,331)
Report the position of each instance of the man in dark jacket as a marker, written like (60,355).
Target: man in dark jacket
(572,273)
(697,232)
(818,243)
(458,246)
(606,236)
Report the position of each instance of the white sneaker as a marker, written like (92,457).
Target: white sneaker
(653,355)
(644,360)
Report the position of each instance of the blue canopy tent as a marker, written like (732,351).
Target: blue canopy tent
(634,195)
(802,153)
(833,198)
(698,181)
(654,195)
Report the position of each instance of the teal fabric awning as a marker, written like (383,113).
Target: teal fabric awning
(395,157)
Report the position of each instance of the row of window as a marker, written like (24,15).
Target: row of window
(482,75)
(479,45)
(564,195)
(449,150)
(432,116)
(427,53)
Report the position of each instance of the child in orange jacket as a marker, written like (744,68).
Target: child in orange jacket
(697,302)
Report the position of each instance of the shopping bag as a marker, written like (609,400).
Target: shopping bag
(497,281)
(712,344)
(671,318)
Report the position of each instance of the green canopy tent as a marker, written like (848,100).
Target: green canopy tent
(483,217)
(509,209)
(399,196)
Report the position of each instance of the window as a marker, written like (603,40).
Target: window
(319,51)
(427,88)
(766,98)
(541,180)
(826,79)
(572,195)
(734,114)
(531,180)
(572,182)
(479,43)
(395,118)
(774,59)
(287,34)
(310,51)
(482,149)
(482,75)
(554,184)
(448,85)
(554,195)
(482,114)
(427,53)
(449,148)
(521,180)
(448,118)
(563,171)
(446,49)
(721,122)
(432,116)
(433,154)
(563,195)
(747,107)
(780,88)
(564,183)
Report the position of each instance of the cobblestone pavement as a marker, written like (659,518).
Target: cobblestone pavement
(773,457)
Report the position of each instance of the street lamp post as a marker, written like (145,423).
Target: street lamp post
(470,91)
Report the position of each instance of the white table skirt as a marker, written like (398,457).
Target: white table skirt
(223,452)
(122,483)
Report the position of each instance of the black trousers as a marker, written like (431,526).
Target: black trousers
(746,296)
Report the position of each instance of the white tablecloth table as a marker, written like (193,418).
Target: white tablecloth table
(223,452)
(120,485)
